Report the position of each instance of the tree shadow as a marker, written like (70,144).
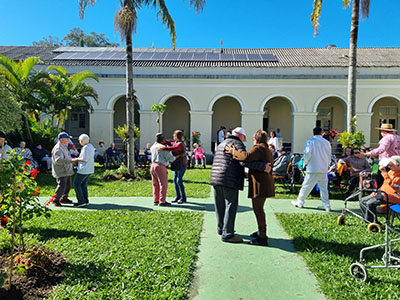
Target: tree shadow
(111,206)
(88,272)
(209,207)
(45,234)
(282,244)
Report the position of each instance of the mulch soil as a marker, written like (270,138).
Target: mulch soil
(37,283)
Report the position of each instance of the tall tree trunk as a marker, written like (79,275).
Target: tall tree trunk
(352,76)
(130,105)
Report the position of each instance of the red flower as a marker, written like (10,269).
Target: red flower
(36,192)
(34,173)
(3,221)
(28,162)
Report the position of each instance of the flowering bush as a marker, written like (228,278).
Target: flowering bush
(144,172)
(196,137)
(35,257)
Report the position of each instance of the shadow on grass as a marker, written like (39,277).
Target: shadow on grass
(51,233)
(209,207)
(110,206)
(85,273)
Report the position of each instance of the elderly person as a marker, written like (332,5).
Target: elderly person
(261,184)
(354,165)
(158,170)
(178,149)
(42,155)
(5,149)
(26,154)
(198,154)
(85,169)
(281,163)
(62,170)
(390,178)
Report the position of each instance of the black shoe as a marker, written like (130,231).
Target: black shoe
(254,234)
(219,231)
(183,200)
(176,199)
(56,203)
(156,203)
(259,242)
(81,204)
(164,204)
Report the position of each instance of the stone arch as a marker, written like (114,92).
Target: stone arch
(278,113)
(226,111)
(385,108)
(216,98)
(119,117)
(168,96)
(114,98)
(292,102)
(322,98)
(177,115)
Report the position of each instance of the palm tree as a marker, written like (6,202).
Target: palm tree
(67,91)
(351,84)
(125,22)
(24,82)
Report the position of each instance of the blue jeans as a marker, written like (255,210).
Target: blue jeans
(178,183)
(80,186)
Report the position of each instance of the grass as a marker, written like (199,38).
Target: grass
(196,183)
(329,250)
(122,254)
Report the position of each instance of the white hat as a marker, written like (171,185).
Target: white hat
(239,130)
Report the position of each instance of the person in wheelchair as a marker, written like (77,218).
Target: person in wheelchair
(113,157)
(391,177)
(281,163)
(198,154)
(354,165)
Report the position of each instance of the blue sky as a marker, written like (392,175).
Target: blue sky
(240,24)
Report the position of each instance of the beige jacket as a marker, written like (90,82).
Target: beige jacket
(61,161)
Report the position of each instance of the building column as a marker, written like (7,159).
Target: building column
(303,125)
(364,125)
(101,127)
(201,121)
(251,122)
(148,127)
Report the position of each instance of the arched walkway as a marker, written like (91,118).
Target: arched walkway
(384,110)
(332,113)
(278,114)
(176,117)
(120,118)
(226,112)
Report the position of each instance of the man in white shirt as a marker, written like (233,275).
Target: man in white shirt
(317,155)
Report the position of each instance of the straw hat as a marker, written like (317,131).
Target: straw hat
(386,127)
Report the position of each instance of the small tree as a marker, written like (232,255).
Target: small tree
(159,109)
(352,139)
(10,110)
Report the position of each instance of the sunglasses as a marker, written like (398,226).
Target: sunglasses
(356,152)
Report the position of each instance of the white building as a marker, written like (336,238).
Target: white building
(293,89)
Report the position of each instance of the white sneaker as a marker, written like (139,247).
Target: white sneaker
(323,207)
(297,204)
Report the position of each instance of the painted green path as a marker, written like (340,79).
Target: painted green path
(239,271)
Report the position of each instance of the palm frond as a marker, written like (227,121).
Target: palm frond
(365,8)
(60,70)
(198,5)
(316,13)
(167,20)
(82,6)
(27,65)
(346,3)
(125,21)
(78,77)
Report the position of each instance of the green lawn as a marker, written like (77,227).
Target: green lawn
(122,254)
(196,183)
(329,250)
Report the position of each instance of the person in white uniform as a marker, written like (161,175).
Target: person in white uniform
(317,155)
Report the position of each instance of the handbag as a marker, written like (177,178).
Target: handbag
(176,165)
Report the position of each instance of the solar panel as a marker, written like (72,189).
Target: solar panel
(159,56)
(91,55)
(199,56)
(145,56)
(118,56)
(135,55)
(64,56)
(212,56)
(254,57)
(186,56)
(172,56)
(268,57)
(104,56)
(239,57)
(226,56)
